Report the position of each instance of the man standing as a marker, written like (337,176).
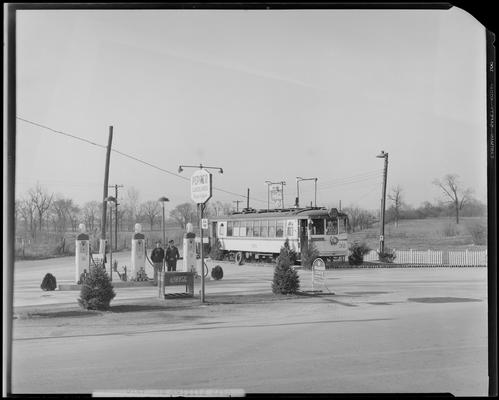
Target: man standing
(157,257)
(172,255)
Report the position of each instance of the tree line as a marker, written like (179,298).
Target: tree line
(38,210)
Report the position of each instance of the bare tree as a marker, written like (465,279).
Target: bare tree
(91,212)
(396,197)
(27,213)
(62,210)
(217,209)
(450,185)
(184,213)
(42,201)
(131,206)
(358,218)
(150,210)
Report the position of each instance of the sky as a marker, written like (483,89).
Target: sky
(267,95)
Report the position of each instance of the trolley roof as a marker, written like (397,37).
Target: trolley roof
(287,213)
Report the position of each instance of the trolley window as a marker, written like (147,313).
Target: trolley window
(230,226)
(343,225)
(237,225)
(318,226)
(242,229)
(256,228)
(249,228)
(272,228)
(289,230)
(280,229)
(264,229)
(332,227)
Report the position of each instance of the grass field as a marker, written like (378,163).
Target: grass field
(424,234)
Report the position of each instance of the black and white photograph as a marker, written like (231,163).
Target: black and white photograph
(215,202)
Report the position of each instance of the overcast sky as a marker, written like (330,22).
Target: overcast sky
(266,95)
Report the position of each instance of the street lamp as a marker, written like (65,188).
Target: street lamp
(163,200)
(298,180)
(383,198)
(282,183)
(110,200)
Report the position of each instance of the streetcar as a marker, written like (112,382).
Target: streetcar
(255,234)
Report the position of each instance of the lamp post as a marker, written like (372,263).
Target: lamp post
(201,189)
(383,199)
(163,200)
(110,200)
(282,183)
(298,180)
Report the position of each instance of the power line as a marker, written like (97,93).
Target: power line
(130,157)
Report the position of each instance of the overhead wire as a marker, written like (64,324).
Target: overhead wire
(131,157)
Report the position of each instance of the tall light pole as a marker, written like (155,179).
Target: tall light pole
(383,199)
(163,200)
(201,190)
(298,180)
(110,200)
(282,183)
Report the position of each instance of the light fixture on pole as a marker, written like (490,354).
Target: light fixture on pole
(163,200)
(298,180)
(110,200)
(383,199)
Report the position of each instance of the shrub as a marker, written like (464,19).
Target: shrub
(358,251)
(217,272)
(388,256)
(96,291)
(49,282)
(478,233)
(216,252)
(308,254)
(449,230)
(286,280)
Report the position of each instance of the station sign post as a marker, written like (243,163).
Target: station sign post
(201,192)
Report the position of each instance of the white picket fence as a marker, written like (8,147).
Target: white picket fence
(432,257)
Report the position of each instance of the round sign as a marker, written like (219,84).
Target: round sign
(201,186)
(319,263)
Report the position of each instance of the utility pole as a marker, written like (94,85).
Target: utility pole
(116,215)
(237,204)
(383,199)
(247,200)
(102,244)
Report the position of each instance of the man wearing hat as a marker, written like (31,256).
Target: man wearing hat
(157,257)
(171,256)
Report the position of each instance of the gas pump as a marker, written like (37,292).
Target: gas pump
(138,261)
(82,252)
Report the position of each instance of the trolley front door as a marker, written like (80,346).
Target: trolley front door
(303,234)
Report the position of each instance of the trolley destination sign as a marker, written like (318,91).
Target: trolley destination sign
(201,188)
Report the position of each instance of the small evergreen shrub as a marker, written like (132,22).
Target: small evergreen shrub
(308,254)
(286,279)
(388,256)
(217,273)
(216,252)
(478,233)
(96,291)
(358,251)
(49,282)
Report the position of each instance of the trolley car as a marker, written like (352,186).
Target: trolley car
(256,234)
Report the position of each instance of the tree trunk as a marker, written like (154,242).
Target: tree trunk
(457,212)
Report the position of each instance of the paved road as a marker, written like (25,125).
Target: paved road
(417,330)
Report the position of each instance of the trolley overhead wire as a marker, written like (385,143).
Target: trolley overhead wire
(130,157)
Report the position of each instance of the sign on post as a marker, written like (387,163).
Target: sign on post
(201,186)
(204,223)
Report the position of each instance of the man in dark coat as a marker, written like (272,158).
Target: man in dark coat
(171,256)
(157,257)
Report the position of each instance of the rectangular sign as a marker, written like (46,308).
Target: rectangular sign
(204,223)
